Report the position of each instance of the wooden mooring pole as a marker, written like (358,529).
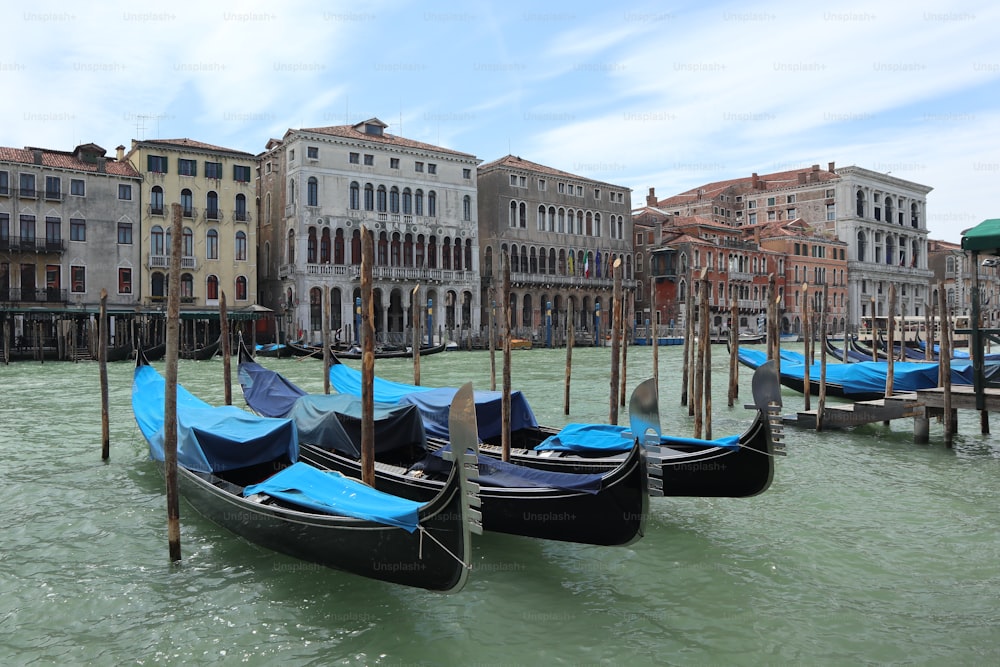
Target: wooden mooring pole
(505,393)
(944,364)
(102,358)
(734,353)
(367,361)
(170,388)
(570,339)
(227,350)
(415,317)
(807,337)
(687,380)
(616,330)
(821,404)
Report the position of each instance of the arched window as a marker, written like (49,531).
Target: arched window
(311,246)
(158,284)
(356,247)
(290,250)
(597,224)
(579,222)
(380,199)
(432,204)
(394,200)
(418,202)
(241,246)
(432,252)
(860,203)
(407,201)
(312,192)
(187,203)
(156,241)
(467,208)
(396,250)
(324,246)
(338,247)
(468,254)
(315,309)
(512,220)
(212,244)
(458,254)
(382,250)
(241,288)
(241,208)
(291,191)
(862,250)
(355,196)
(212,205)
(156,201)
(522,216)
(187,242)
(562,221)
(212,288)
(446,253)
(369,197)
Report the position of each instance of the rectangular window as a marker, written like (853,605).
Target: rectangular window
(831,212)
(354,158)
(771,216)
(432,168)
(597,193)
(369,160)
(124,281)
(53,187)
(312,152)
(77,229)
(791,199)
(561,188)
(513,180)
(579,191)
(125,191)
(27,228)
(156,164)
(78,279)
(770,201)
(522,181)
(467,174)
(418,166)
(125,233)
(213,170)
(187,167)
(638,238)
(751,203)
(241,174)
(4,183)
(78,187)
(790,213)
(394,163)
(541,185)
(28,186)
(829,193)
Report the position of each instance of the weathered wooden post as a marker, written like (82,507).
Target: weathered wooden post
(687,375)
(616,330)
(170,388)
(367,362)
(944,359)
(492,337)
(626,318)
(734,351)
(415,317)
(325,312)
(227,350)
(822,359)
(570,339)
(891,352)
(505,393)
(699,359)
(808,339)
(655,313)
(706,386)
(102,358)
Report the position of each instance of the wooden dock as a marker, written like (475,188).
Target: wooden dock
(920,406)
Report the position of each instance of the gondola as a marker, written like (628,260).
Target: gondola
(244,473)
(201,353)
(154,353)
(277,350)
(120,353)
(606,508)
(355,352)
(838,352)
(732,467)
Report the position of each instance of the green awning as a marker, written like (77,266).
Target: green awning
(984,237)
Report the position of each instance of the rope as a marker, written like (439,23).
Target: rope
(424,531)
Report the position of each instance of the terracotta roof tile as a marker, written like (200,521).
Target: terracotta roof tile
(352,132)
(742,185)
(191,143)
(517,162)
(65,160)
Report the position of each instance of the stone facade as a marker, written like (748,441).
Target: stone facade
(562,233)
(319,186)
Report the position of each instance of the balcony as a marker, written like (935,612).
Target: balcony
(27,193)
(163,262)
(242,216)
(32,295)
(31,244)
(53,196)
(213,214)
(4,191)
(154,210)
(289,210)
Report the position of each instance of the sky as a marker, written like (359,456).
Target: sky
(637,94)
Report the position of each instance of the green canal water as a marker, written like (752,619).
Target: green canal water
(867,549)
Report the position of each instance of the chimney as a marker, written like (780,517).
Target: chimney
(802,178)
(755,183)
(651,197)
(815,167)
(120,153)
(102,165)
(37,154)
(830,167)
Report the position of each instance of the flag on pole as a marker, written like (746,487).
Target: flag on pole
(586,266)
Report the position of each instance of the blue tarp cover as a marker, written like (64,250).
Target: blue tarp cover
(497,473)
(331,421)
(332,493)
(866,377)
(434,404)
(209,439)
(608,438)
